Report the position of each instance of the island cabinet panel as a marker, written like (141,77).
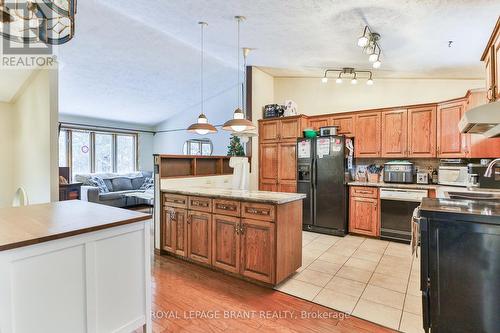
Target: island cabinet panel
(345,124)
(175,200)
(226,243)
(258,211)
(200,236)
(317,123)
(450,142)
(394,133)
(257,250)
(422,131)
(227,207)
(180,231)
(269,131)
(368,134)
(201,204)
(168,232)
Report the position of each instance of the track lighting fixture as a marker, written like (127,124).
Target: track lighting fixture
(348,72)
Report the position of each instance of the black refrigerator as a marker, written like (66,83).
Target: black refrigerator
(322,167)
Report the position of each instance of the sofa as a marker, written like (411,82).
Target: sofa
(115,186)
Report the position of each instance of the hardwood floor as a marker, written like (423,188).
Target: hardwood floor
(186,297)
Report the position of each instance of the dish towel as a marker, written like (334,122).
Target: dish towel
(415,231)
(241,172)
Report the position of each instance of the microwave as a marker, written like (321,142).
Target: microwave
(453,175)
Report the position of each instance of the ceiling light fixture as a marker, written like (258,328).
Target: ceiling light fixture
(51,22)
(348,72)
(370,44)
(239,123)
(202,126)
(324,79)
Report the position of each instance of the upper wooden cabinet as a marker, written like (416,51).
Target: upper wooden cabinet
(491,59)
(368,134)
(282,129)
(395,133)
(450,142)
(345,124)
(316,123)
(422,131)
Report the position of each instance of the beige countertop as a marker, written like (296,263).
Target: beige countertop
(395,185)
(276,198)
(23,226)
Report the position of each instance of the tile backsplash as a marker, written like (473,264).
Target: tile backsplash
(420,164)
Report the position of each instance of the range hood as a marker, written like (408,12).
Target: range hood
(484,119)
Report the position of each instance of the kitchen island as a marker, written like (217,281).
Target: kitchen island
(74,266)
(255,235)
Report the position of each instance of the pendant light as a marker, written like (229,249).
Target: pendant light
(202,127)
(239,123)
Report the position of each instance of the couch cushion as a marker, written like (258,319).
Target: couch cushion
(137,182)
(122,184)
(109,184)
(99,183)
(114,195)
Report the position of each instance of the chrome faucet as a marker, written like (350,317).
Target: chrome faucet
(489,169)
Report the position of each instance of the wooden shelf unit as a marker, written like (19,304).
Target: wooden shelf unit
(176,166)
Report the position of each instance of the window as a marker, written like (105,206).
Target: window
(63,148)
(88,151)
(198,147)
(125,153)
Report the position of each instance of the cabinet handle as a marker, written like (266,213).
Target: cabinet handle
(257,211)
(237,229)
(188,220)
(198,203)
(242,228)
(226,207)
(488,95)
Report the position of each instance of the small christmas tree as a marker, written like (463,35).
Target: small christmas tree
(235,148)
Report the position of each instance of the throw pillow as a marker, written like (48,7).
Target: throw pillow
(148,183)
(99,183)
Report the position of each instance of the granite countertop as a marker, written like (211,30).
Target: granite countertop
(276,198)
(23,226)
(395,185)
(459,206)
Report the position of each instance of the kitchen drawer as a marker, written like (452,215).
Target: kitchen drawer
(201,204)
(226,207)
(175,200)
(364,192)
(258,211)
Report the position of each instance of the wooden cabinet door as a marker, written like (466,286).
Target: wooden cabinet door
(450,142)
(367,140)
(496,71)
(269,185)
(167,230)
(290,129)
(257,250)
(394,133)
(422,131)
(200,236)
(317,123)
(269,156)
(287,161)
(269,130)
(345,124)
(226,243)
(364,216)
(287,186)
(180,230)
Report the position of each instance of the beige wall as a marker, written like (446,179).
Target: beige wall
(314,97)
(35,126)
(6,154)
(262,94)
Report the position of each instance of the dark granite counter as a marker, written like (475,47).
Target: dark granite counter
(471,208)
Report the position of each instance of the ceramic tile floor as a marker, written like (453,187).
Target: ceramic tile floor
(371,279)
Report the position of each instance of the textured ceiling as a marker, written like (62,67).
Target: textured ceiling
(139,61)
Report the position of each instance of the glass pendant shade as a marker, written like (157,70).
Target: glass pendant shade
(238,123)
(373,57)
(354,81)
(377,64)
(369,82)
(338,80)
(202,127)
(363,41)
(324,80)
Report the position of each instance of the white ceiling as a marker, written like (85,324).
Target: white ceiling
(11,81)
(139,61)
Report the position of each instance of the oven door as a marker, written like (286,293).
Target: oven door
(396,219)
